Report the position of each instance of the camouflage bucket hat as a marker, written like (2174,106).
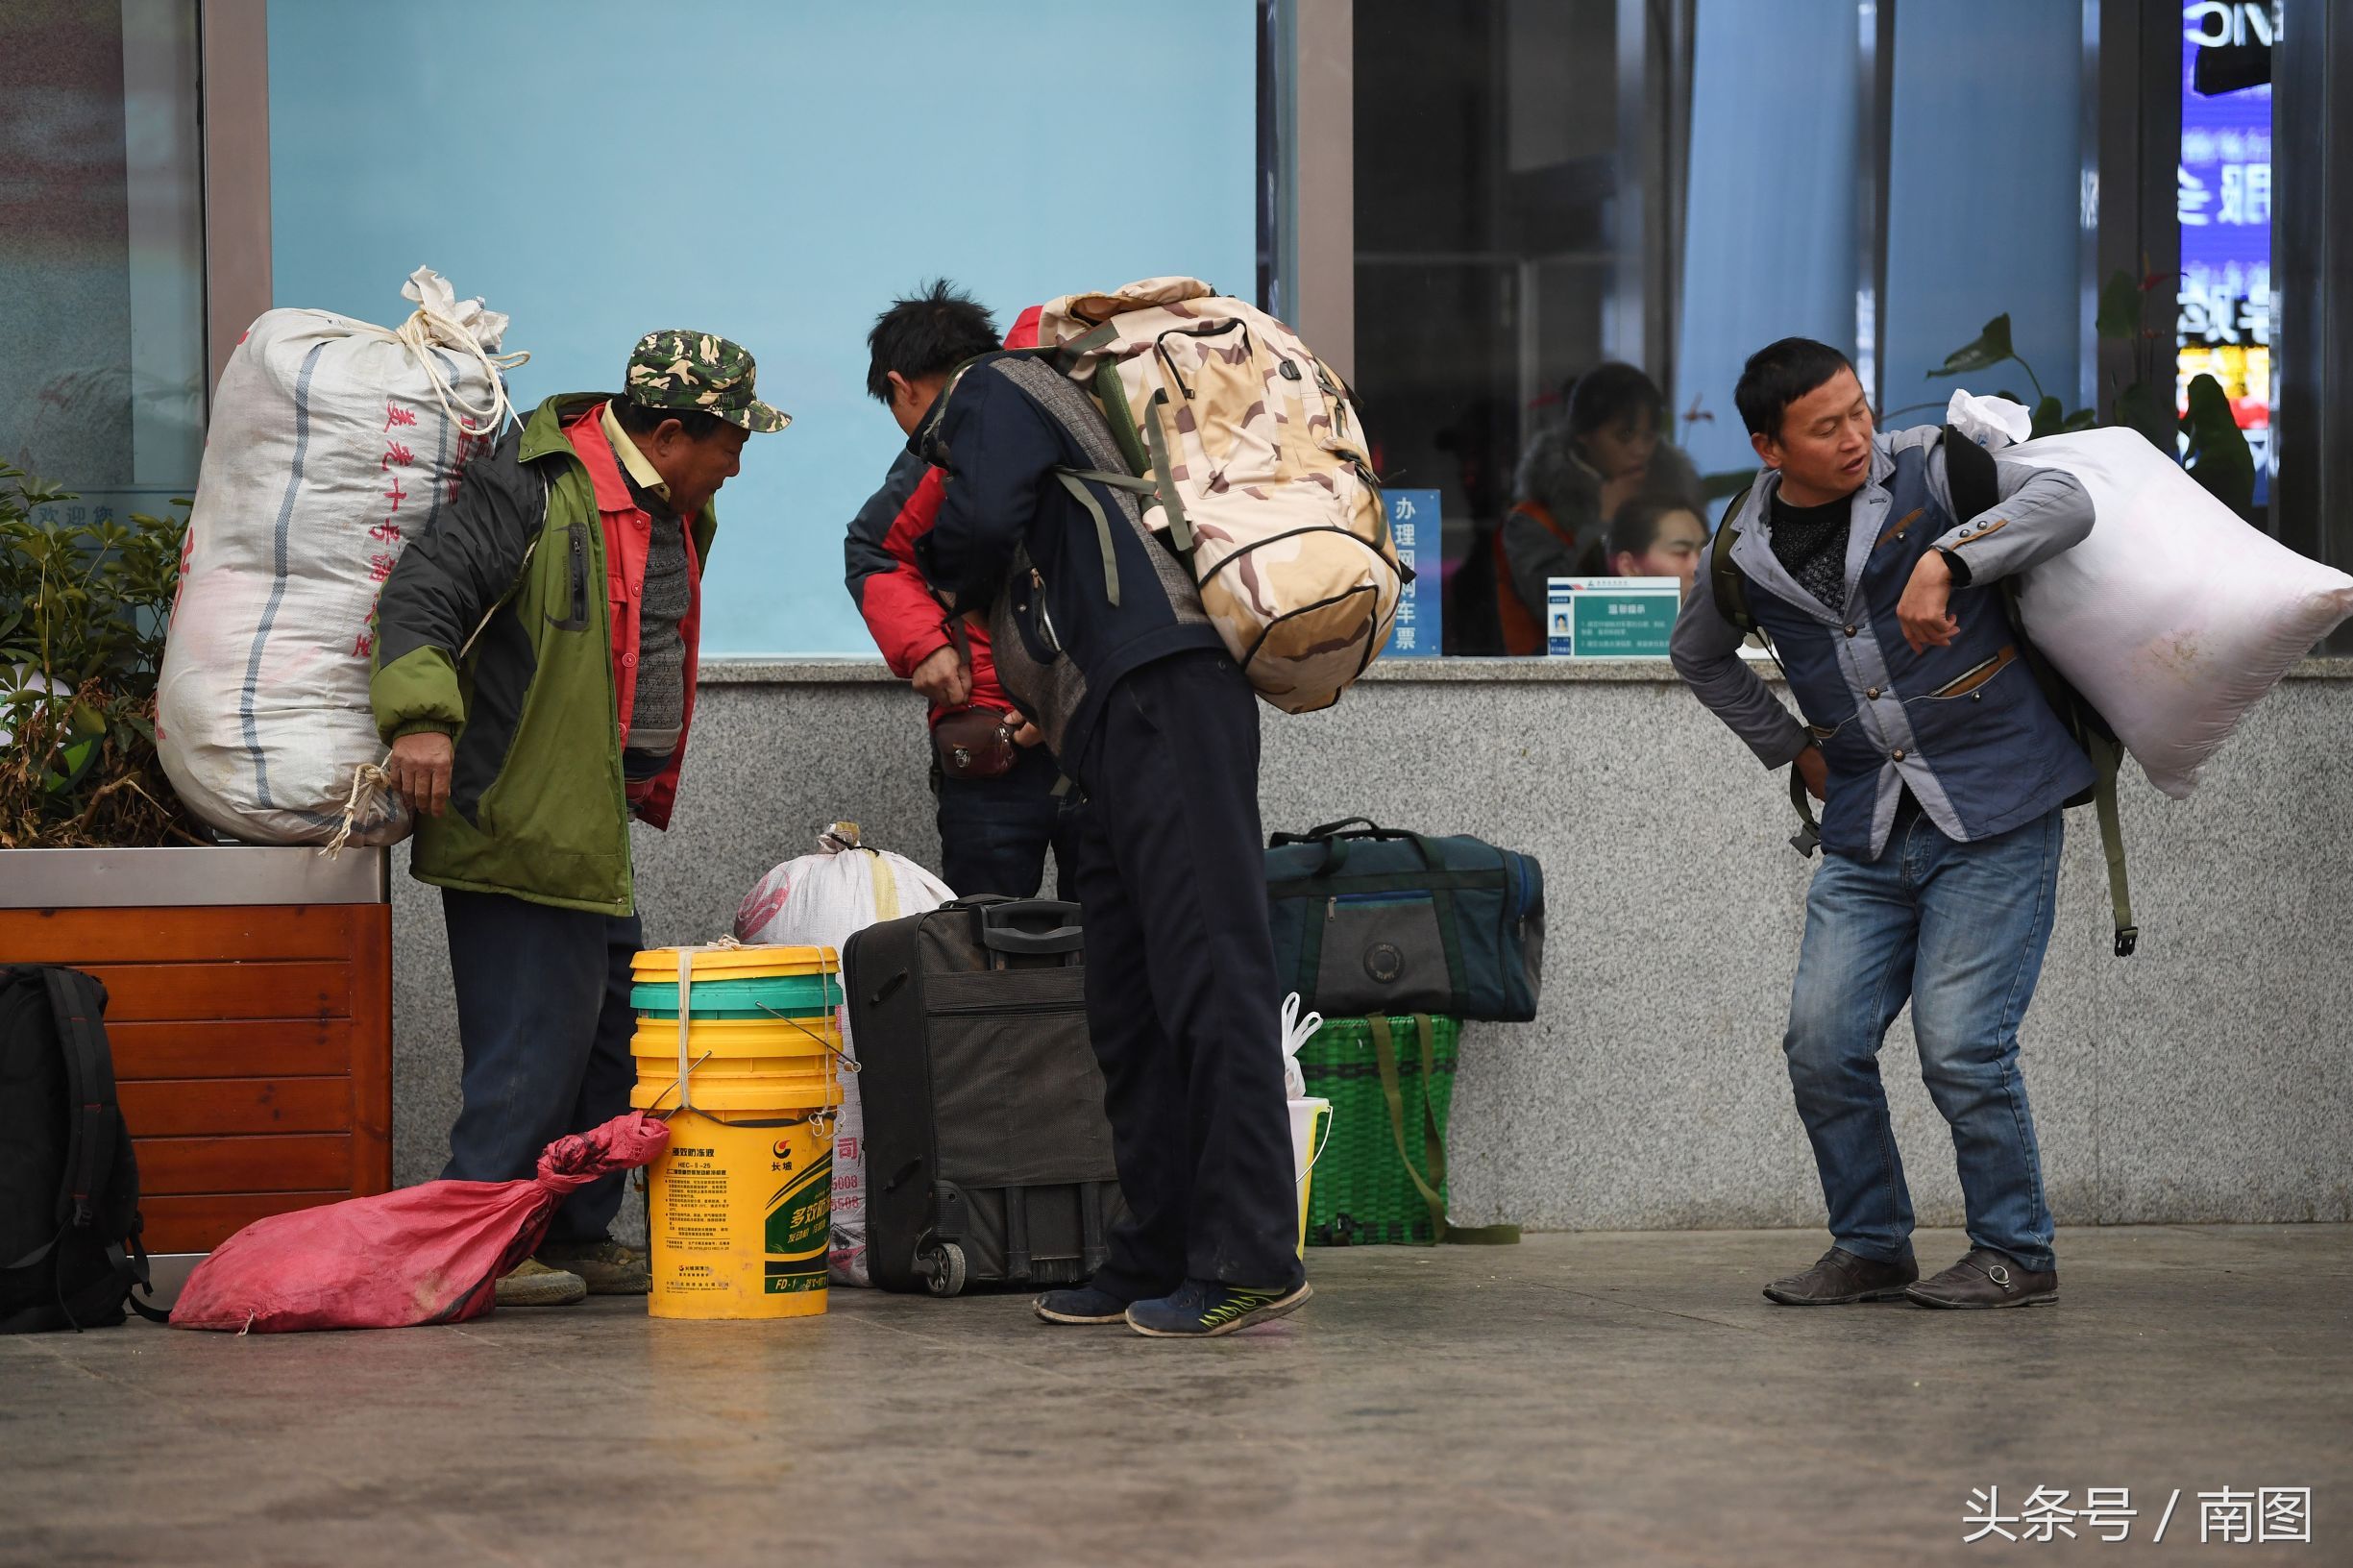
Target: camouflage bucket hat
(696,370)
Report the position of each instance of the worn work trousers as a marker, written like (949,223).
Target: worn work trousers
(544,1023)
(1180,987)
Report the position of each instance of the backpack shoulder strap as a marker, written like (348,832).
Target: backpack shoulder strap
(1729,585)
(92,1118)
(1969,475)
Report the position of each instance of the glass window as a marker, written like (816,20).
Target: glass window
(102,250)
(1505,245)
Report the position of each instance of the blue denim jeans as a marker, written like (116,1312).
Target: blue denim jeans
(1959,930)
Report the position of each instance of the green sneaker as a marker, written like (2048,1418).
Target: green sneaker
(609,1267)
(533,1284)
(1203,1310)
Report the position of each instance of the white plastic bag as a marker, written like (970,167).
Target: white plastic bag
(2174,616)
(332,444)
(822,900)
(1297,1032)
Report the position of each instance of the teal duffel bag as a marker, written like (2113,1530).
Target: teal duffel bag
(1369,920)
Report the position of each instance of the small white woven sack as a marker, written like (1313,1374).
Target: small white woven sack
(2174,616)
(332,444)
(822,900)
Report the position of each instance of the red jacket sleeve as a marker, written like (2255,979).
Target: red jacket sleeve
(907,624)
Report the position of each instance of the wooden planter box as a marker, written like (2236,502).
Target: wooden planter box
(250,1011)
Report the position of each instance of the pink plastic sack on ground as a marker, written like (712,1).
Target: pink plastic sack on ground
(430,1254)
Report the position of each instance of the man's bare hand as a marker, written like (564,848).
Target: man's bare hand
(945,678)
(420,770)
(1028,734)
(1815,771)
(1926,620)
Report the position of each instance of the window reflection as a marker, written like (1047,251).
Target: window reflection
(1501,262)
(102,250)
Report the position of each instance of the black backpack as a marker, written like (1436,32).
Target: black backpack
(1969,473)
(70,1184)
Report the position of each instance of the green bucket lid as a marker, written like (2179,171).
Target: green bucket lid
(793,996)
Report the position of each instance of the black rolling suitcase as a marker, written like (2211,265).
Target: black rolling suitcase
(988,1152)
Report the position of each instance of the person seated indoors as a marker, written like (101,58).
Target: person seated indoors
(1652,536)
(1573,481)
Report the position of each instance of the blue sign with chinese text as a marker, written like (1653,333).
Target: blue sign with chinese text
(1414,521)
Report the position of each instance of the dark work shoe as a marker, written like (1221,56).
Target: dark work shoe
(609,1267)
(533,1284)
(1840,1277)
(1984,1279)
(1202,1310)
(1081,1304)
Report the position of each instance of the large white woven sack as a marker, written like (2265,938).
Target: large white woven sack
(822,900)
(2174,616)
(332,444)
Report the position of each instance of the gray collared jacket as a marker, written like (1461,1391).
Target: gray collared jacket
(1964,727)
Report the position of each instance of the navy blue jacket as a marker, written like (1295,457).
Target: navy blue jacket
(1066,620)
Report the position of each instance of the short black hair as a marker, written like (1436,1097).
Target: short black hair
(644,419)
(1636,527)
(1612,391)
(930,334)
(1780,374)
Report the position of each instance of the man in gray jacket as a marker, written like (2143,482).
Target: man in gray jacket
(1941,773)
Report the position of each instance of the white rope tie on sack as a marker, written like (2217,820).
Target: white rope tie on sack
(426,329)
(370,783)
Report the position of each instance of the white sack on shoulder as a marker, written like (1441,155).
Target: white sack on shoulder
(333,443)
(822,900)
(1993,423)
(2174,616)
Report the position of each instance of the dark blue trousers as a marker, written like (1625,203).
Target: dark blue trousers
(1182,1004)
(994,832)
(544,1021)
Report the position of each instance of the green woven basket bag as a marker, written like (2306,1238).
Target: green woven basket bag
(1381,1177)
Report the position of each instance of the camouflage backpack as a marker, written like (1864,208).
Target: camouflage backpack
(1249,460)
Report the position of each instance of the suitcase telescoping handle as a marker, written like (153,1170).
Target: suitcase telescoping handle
(1031,927)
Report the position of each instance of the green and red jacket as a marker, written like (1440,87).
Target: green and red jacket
(511,622)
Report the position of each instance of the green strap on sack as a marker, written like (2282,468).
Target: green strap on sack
(2108,758)
(1434,1142)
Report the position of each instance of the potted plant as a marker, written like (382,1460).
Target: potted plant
(249,988)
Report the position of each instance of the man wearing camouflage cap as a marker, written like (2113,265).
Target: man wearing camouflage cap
(535,654)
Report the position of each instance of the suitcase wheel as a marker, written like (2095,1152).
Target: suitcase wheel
(945,1270)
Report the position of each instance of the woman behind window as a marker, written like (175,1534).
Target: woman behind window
(1573,481)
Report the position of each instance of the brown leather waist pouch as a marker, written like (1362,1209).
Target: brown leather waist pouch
(976,743)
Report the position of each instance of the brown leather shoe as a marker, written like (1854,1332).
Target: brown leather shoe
(1984,1279)
(1841,1277)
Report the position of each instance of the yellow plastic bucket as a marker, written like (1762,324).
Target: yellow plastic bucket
(659,965)
(740,1205)
(1310,1133)
(733,1048)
